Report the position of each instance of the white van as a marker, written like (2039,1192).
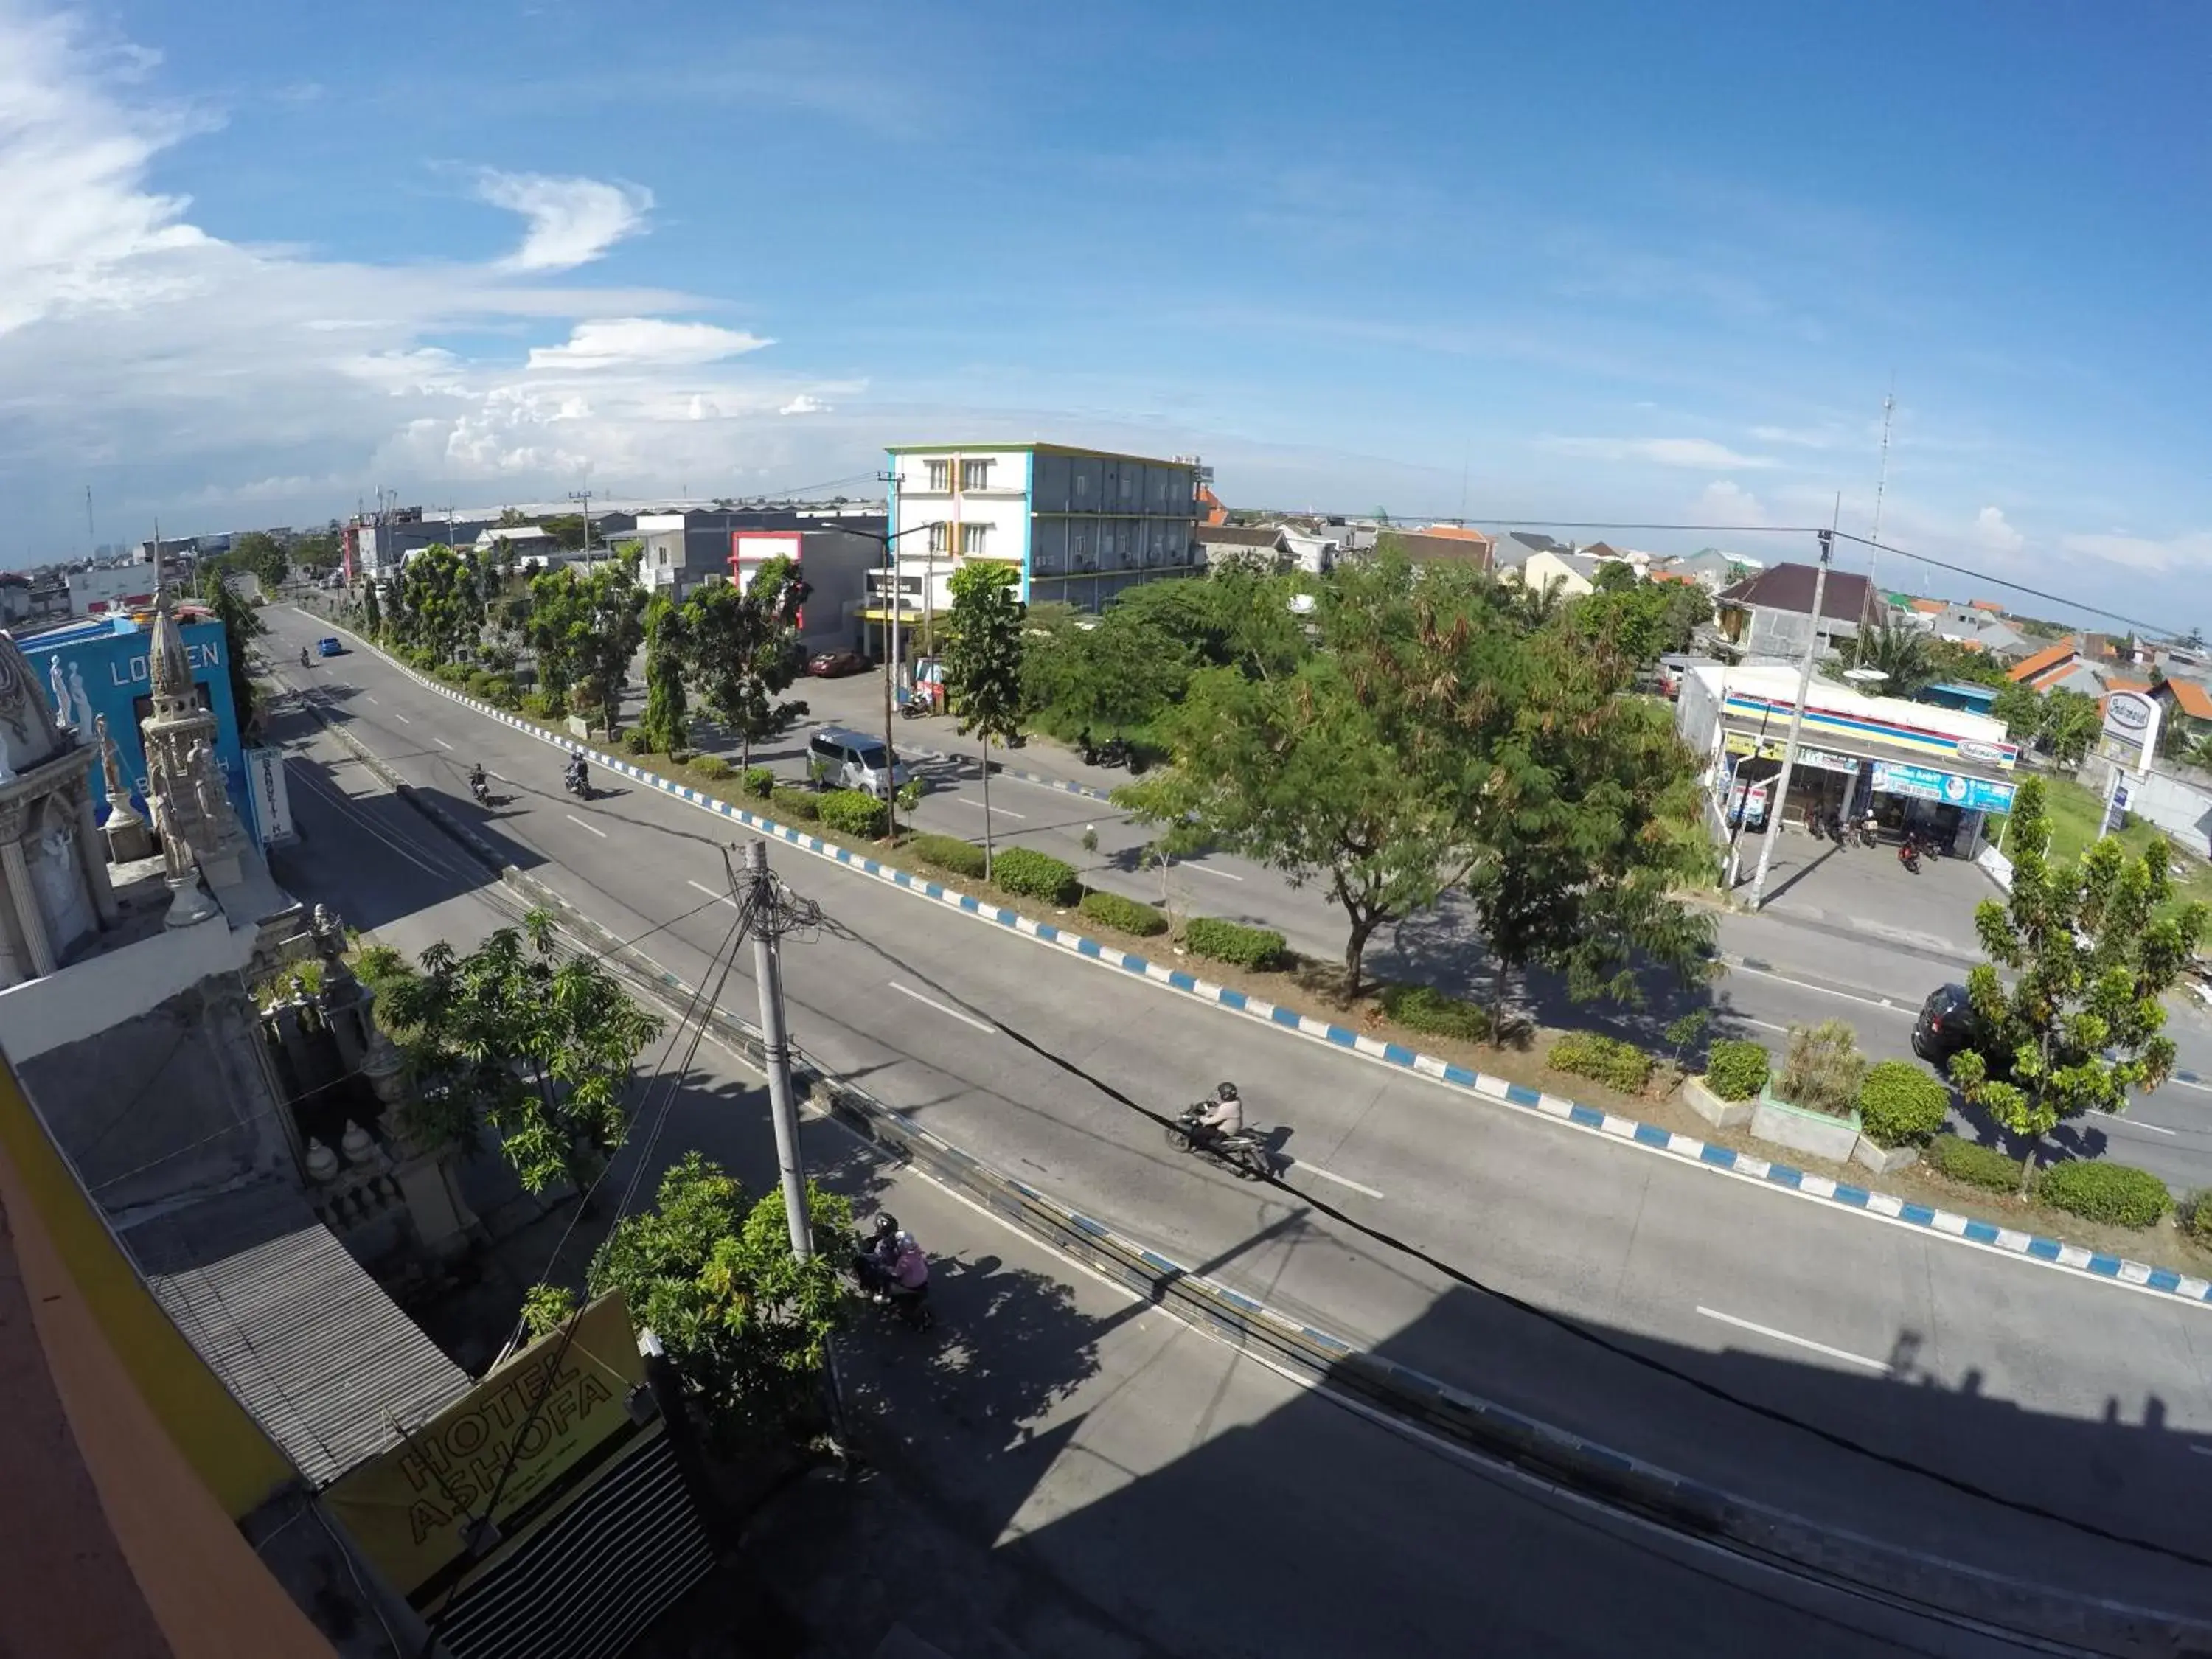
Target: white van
(839,759)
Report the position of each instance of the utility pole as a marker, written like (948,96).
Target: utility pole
(761,908)
(584,497)
(770,913)
(1797,722)
(1873,539)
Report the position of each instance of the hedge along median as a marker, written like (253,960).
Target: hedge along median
(2188,1286)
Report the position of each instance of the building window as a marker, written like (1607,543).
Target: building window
(1082,484)
(1129,486)
(975,475)
(971,537)
(940,538)
(940,474)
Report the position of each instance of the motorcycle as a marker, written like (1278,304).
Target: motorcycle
(875,1282)
(303,656)
(574,781)
(1909,855)
(1115,751)
(480,788)
(1866,830)
(916,707)
(1243,1154)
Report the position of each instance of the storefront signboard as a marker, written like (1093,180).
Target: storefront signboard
(1926,783)
(1742,743)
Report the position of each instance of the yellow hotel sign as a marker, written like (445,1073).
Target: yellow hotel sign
(409,1510)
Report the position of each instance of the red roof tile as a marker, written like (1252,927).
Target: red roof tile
(2050,657)
(2192,699)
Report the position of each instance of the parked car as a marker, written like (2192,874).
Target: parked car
(835,664)
(839,759)
(329,647)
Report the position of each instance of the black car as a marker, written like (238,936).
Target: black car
(1946,1025)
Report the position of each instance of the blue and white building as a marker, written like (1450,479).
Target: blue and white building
(1077,526)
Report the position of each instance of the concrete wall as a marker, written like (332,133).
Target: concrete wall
(2182,808)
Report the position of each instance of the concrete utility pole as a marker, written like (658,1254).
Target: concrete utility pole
(775,1044)
(585,497)
(1797,722)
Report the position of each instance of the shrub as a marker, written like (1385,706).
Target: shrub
(713,767)
(1027,874)
(1622,1065)
(961,857)
(1901,1105)
(681,756)
(909,793)
(854,812)
(1126,914)
(1735,1070)
(2198,1213)
(538,705)
(794,804)
(1232,942)
(636,742)
(2111,1192)
(1978,1166)
(1822,1068)
(1422,1008)
(759,781)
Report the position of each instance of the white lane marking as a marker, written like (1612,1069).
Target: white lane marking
(402,719)
(2155,1128)
(441,742)
(978,804)
(1208,870)
(1329,1175)
(711,892)
(1825,990)
(1797,1341)
(581,824)
(906,990)
(365,697)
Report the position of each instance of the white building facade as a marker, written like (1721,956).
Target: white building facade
(1077,526)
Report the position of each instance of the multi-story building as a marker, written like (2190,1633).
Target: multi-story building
(1076,524)
(680,549)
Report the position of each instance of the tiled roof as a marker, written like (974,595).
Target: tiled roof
(2045,661)
(1239,535)
(297,1330)
(1991,605)
(1431,547)
(1456,533)
(2192,699)
(1929,607)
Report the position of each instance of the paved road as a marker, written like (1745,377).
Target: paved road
(2075,1396)
(1062,1431)
(1810,956)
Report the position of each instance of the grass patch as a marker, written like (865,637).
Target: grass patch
(2075,812)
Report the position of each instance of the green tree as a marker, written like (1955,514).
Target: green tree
(444,602)
(264,555)
(372,609)
(983,663)
(513,1036)
(2078,957)
(1899,650)
(666,721)
(1359,768)
(743,651)
(1110,679)
(1615,576)
(585,631)
(1587,820)
(2019,706)
(2071,720)
(240,625)
(745,1323)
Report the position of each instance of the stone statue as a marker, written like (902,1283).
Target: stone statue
(85,717)
(61,695)
(111,768)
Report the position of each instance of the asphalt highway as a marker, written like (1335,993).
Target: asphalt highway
(2084,1399)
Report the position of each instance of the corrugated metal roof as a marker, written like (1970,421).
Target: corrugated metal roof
(294,1327)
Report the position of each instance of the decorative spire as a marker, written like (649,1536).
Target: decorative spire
(170,668)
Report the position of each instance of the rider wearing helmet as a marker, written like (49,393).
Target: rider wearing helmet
(1223,1115)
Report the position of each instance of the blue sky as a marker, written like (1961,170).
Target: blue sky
(1604,261)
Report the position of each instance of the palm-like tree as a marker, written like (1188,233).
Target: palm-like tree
(1900,651)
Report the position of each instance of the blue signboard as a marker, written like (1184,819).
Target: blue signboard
(104,668)
(1951,788)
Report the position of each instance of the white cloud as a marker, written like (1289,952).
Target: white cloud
(1699,452)
(805,403)
(644,342)
(2185,552)
(1798,437)
(1990,530)
(1724,501)
(572,221)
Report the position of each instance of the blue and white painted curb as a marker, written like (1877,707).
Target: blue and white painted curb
(1687,1149)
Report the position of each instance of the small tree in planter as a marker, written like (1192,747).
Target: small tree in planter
(1822,1068)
